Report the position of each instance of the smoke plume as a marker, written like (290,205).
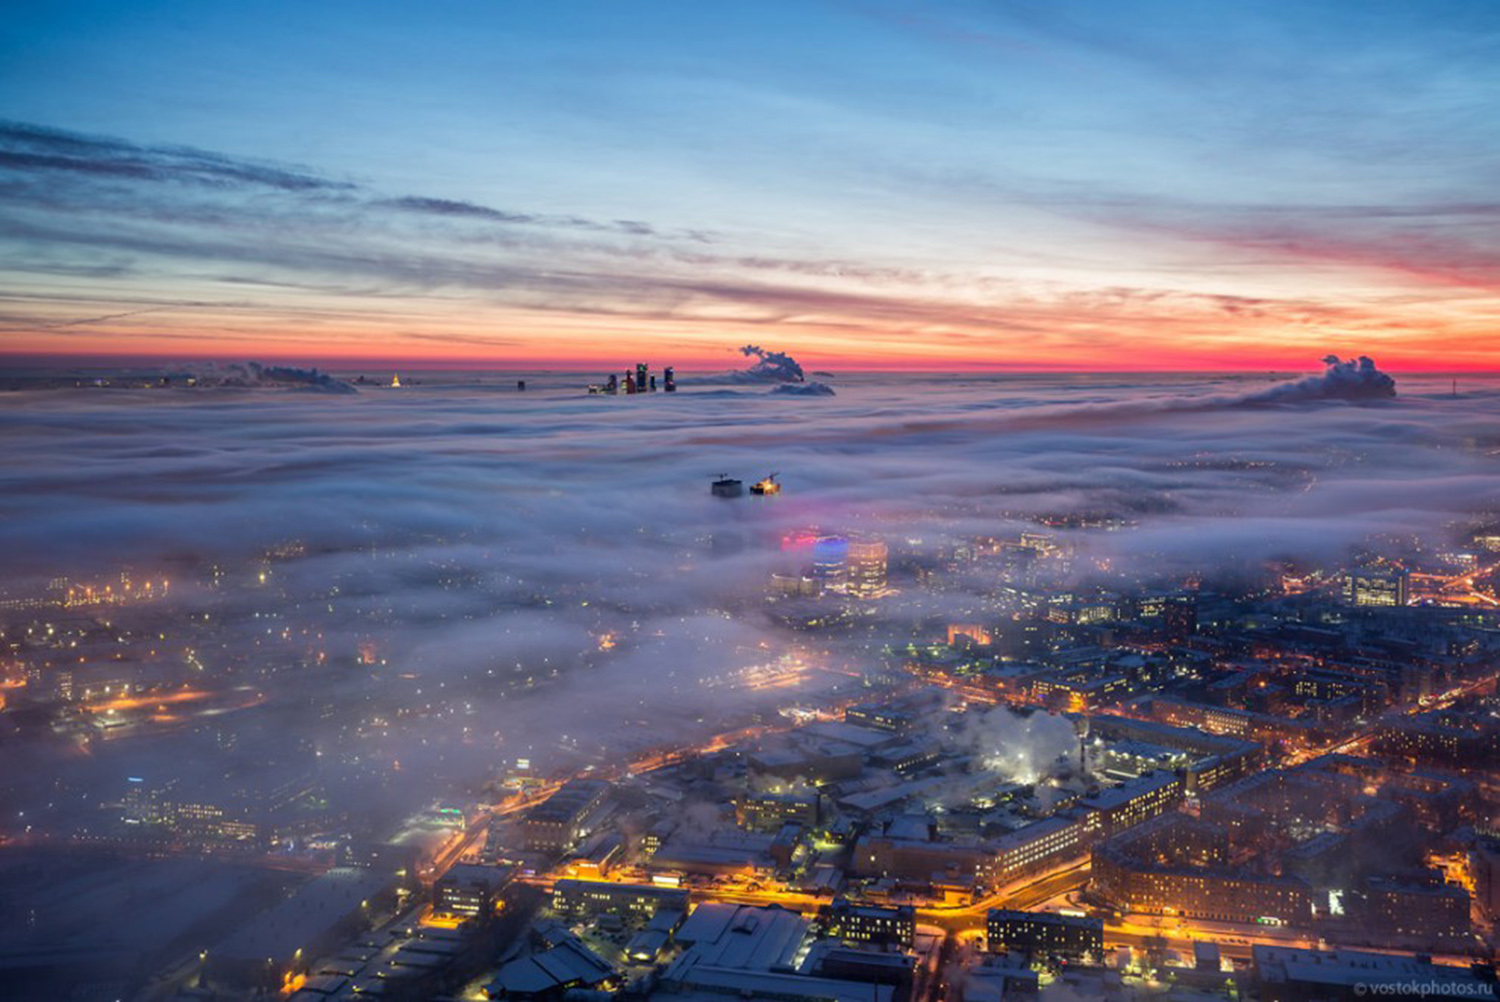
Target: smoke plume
(771,367)
(254,375)
(1025,747)
(1356,379)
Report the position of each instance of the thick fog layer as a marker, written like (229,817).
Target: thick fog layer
(507,572)
(95,477)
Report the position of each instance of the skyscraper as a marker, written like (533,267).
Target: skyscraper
(830,561)
(867,562)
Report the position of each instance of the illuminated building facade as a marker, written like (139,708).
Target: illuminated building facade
(1430,915)
(872,925)
(242,811)
(1177,865)
(209,822)
(1044,933)
(879,717)
(1261,727)
(795,586)
(1083,610)
(769,812)
(469,890)
(1212,895)
(556,824)
(1484,864)
(1173,614)
(1376,586)
(969,633)
(1132,803)
(1080,690)
(1213,719)
(867,561)
(1440,737)
(654,837)
(584,899)
(831,561)
(916,859)
(1038,847)
(146,802)
(1214,759)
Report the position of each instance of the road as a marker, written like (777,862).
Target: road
(1021,896)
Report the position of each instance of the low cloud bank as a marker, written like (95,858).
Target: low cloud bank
(804,389)
(253,375)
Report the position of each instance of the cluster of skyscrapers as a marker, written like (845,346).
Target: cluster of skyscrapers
(641,380)
(840,564)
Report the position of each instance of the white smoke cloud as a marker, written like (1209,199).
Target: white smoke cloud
(770,367)
(253,375)
(1356,379)
(1025,747)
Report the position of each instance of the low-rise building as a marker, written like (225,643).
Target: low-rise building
(556,824)
(872,924)
(470,889)
(1291,974)
(583,899)
(1040,934)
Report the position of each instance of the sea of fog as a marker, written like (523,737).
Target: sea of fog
(564,485)
(475,537)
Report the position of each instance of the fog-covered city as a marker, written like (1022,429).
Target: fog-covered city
(929,633)
(805,501)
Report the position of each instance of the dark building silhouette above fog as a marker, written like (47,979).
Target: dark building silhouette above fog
(639,380)
(727,487)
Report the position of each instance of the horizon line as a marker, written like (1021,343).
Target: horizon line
(131,361)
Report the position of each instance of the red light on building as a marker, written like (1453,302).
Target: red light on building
(799,539)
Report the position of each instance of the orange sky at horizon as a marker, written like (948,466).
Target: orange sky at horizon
(1278,313)
(1151,343)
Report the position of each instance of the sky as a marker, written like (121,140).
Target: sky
(1008,185)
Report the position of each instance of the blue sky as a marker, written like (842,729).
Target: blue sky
(921,176)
